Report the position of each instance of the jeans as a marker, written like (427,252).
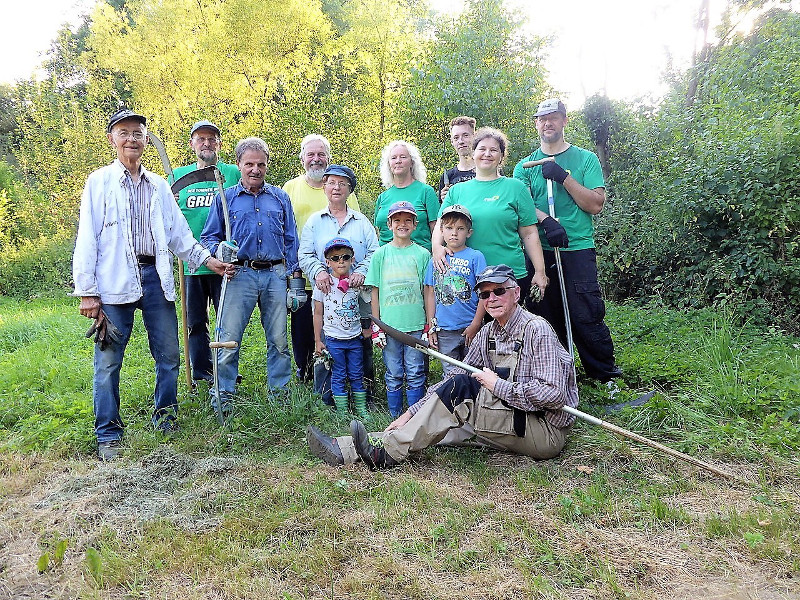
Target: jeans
(161,324)
(451,343)
(201,290)
(403,361)
(348,363)
(267,288)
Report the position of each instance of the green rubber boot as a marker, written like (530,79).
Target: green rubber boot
(360,401)
(341,404)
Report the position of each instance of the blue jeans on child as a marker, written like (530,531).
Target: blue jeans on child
(403,362)
(348,363)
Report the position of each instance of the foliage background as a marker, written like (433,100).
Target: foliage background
(702,186)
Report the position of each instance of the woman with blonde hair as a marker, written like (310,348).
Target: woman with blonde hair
(403,174)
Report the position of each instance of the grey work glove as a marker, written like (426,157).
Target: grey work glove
(227,252)
(555,233)
(296,295)
(104,331)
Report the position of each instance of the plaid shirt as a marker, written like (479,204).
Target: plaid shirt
(544,380)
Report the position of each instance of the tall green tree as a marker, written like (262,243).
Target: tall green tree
(481,64)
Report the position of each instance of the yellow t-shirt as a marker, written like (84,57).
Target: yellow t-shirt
(307,200)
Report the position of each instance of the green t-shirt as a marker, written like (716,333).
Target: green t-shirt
(584,167)
(398,274)
(499,208)
(196,200)
(424,200)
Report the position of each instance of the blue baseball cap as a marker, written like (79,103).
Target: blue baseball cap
(337,242)
(342,171)
(399,207)
(121,115)
(204,125)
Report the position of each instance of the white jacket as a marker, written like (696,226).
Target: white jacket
(104,263)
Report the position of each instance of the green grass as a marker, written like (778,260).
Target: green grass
(246,512)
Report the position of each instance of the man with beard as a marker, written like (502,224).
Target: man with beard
(307,196)
(578,194)
(202,286)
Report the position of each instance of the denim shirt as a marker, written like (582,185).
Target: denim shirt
(262,225)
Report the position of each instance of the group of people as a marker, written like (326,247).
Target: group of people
(463,268)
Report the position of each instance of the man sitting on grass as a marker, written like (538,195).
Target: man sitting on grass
(513,404)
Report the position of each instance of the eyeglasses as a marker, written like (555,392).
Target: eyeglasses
(136,136)
(338,257)
(337,184)
(501,291)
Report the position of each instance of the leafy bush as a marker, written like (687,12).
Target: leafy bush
(703,209)
(39,267)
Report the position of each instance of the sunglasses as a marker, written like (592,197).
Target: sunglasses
(338,257)
(501,291)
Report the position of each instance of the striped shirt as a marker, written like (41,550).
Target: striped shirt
(544,380)
(139,198)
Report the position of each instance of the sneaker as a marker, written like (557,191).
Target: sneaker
(108,451)
(370,449)
(324,447)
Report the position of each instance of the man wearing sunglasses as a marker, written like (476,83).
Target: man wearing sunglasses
(514,404)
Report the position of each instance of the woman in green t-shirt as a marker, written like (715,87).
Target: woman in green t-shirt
(403,174)
(503,214)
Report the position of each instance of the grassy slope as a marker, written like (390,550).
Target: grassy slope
(247,513)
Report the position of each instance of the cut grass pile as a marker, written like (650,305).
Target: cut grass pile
(248,513)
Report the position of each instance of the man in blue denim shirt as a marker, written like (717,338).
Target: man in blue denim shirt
(263,227)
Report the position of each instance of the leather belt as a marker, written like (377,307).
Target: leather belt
(258,264)
(145,260)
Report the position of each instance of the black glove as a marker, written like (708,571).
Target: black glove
(550,170)
(555,233)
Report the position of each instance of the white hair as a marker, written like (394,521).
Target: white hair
(418,170)
(315,137)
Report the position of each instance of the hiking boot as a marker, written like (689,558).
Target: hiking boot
(108,451)
(370,449)
(324,447)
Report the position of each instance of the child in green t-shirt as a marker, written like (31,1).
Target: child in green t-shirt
(396,274)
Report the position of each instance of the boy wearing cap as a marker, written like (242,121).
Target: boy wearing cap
(396,274)
(202,286)
(337,327)
(450,296)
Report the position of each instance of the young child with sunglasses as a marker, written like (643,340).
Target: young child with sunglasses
(337,328)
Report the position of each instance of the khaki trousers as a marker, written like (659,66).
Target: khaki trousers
(434,422)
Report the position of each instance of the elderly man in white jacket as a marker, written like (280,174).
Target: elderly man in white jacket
(129,226)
